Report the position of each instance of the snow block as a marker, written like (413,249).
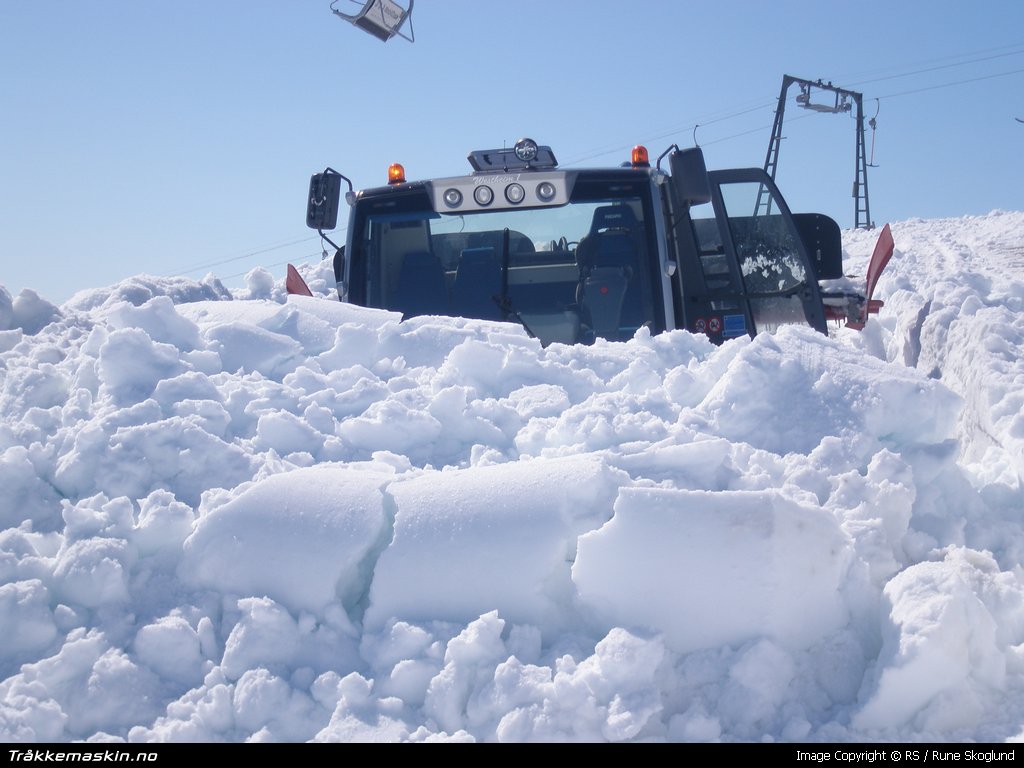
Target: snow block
(302,538)
(716,568)
(131,364)
(32,312)
(158,318)
(490,538)
(250,348)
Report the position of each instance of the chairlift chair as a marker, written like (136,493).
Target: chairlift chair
(381,18)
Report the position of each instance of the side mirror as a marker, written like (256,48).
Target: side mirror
(690,176)
(322,203)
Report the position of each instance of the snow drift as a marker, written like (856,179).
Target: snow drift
(256,517)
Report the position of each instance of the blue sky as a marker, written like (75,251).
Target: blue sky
(178,138)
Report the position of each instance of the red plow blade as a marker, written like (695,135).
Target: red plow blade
(879,259)
(294,283)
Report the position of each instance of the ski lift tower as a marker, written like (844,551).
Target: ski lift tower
(381,18)
(844,100)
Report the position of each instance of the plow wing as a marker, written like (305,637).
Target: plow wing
(854,306)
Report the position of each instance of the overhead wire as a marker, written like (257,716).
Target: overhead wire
(702,121)
(884,72)
(275,264)
(247,255)
(951,84)
(322,253)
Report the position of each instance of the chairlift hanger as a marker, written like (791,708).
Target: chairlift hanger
(842,103)
(873,124)
(381,18)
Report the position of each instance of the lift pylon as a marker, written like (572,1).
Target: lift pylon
(843,101)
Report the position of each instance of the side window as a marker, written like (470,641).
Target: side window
(769,256)
(768,253)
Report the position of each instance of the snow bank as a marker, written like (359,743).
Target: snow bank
(270,518)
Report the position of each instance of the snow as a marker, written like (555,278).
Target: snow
(780,567)
(255,517)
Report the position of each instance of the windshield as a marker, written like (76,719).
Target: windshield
(569,274)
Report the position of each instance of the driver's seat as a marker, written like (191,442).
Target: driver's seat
(606,257)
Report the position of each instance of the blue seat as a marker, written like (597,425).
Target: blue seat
(477,283)
(611,242)
(421,287)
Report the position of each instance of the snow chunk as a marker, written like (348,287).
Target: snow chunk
(268,636)
(955,625)
(87,686)
(158,318)
(305,538)
(260,283)
(170,647)
(469,541)
(163,524)
(6,310)
(270,710)
(131,364)
(28,621)
(716,568)
(251,348)
(28,311)
(93,572)
(26,496)
(787,391)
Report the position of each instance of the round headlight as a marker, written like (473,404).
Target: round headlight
(483,195)
(526,150)
(515,193)
(546,191)
(452,197)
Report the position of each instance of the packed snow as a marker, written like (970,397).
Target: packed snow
(242,516)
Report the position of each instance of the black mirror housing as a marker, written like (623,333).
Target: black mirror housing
(324,198)
(690,176)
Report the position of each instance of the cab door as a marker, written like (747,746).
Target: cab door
(759,266)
